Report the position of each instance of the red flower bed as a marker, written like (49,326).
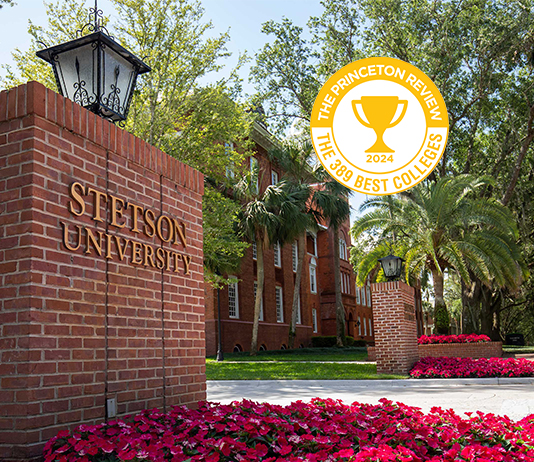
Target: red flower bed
(469,367)
(323,430)
(462,338)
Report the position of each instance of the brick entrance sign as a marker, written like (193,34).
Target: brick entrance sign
(395,327)
(101,282)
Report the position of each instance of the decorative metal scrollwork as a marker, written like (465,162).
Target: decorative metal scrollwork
(96,25)
(81,96)
(113,100)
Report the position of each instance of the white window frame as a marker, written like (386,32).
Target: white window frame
(363,296)
(370,328)
(277,255)
(359,326)
(233,286)
(314,237)
(230,173)
(279,299)
(358,295)
(368,290)
(253,164)
(254,251)
(295,255)
(314,321)
(313,276)
(274,177)
(342,249)
(365,327)
(261,302)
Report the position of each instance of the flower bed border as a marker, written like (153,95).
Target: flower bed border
(453,350)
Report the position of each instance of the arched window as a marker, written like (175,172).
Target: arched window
(313,276)
(342,249)
(238,348)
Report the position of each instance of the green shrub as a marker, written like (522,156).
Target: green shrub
(328,341)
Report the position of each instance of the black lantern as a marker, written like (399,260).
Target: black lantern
(392,266)
(95,71)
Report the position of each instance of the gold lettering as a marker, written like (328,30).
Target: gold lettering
(160,257)
(108,247)
(187,261)
(90,238)
(170,228)
(116,211)
(135,211)
(136,253)
(121,250)
(96,202)
(66,237)
(78,198)
(177,257)
(149,254)
(149,223)
(179,231)
(168,254)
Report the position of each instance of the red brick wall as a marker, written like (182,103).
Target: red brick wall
(453,350)
(462,350)
(77,328)
(395,327)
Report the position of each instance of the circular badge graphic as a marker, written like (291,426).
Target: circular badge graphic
(379,126)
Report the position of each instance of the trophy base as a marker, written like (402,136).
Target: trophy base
(380,147)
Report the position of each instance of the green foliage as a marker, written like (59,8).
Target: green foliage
(6,2)
(300,354)
(442,320)
(170,109)
(327,341)
(223,249)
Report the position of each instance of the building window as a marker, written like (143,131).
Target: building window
(314,238)
(274,177)
(254,251)
(342,249)
(233,300)
(365,327)
(255,174)
(370,327)
(299,313)
(277,255)
(261,302)
(228,147)
(368,290)
(357,295)
(359,326)
(295,255)
(279,305)
(363,295)
(314,320)
(313,276)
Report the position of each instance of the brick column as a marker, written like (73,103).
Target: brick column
(395,327)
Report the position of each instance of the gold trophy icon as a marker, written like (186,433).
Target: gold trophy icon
(380,112)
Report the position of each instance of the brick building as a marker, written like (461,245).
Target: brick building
(317,294)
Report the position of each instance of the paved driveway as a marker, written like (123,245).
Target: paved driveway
(513,397)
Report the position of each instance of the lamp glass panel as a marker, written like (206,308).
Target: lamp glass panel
(75,73)
(117,77)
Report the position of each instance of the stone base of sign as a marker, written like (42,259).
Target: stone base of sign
(395,327)
(118,318)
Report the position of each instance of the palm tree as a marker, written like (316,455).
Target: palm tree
(328,202)
(265,219)
(443,226)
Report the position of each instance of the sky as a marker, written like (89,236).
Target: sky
(242,18)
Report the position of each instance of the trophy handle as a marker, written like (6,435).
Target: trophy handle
(356,113)
(405,106)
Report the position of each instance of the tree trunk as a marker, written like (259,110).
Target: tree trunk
(296,290)
(259,297)
(441,315)
(340,309)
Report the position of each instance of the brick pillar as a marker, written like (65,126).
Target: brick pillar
(395,327)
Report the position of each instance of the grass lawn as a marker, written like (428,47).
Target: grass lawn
(301,354)
(518,349)
(292,371)
(283,365)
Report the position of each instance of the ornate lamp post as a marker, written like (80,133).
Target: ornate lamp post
(392,266)
(95,71)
